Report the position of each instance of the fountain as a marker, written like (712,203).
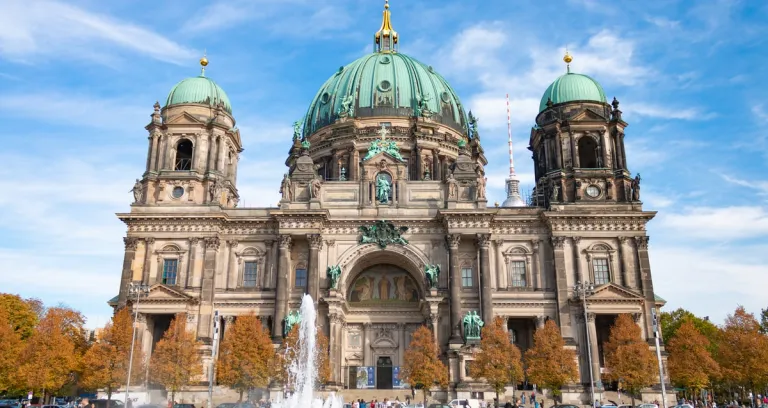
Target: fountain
(303,371)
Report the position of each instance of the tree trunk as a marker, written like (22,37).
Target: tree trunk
(173,397)
(109,398)
(241,396)
(424,390)
(497,399)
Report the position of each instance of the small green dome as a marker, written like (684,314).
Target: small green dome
(385,84)
(199,89)
(573,87)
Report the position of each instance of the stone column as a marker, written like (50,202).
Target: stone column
(402,328)
(577,259)
(419,171)
(191,266)
(436,170)
(269,263)
(281,301)
(127,275)
(208,288)
(232,278)
(152,159)
(149,247)
(334,341)
(500,266)
(644,265)
(626,268)
(538,276)
(313,276)
(593,346)
(561,284)
(483,242)
(367,344)
(222,153)
(434,320)
(455,285)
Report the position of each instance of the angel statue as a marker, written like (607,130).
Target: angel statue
(432,272)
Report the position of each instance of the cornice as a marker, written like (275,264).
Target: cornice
(561,222)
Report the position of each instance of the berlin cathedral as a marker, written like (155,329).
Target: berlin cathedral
(384,221)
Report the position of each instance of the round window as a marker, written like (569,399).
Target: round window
(446,97)
(593,191)
(324,98)
(384,60)
(177,192)
(385,86)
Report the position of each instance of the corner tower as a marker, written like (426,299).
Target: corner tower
(194,148)
(578,145)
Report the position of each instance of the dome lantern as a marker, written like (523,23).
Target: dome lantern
(385,40)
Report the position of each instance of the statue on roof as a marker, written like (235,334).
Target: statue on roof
(285,188)
(432,272)
(334,273)
(138,192)
(297,130)
(636,188)
(346,109)
(473,133)
(423,105)
(383,187)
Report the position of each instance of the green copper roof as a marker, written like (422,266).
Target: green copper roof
(198,89)
(572,87)
(385,84)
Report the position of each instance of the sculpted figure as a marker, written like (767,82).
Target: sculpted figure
(432,272)
(382,189)
(334,272)
(481,181)
(212,190)
(636,188)
(453,186)
(285,188)
(555,194)
(314,188)
(138,192)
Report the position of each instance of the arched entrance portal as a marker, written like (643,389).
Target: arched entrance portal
(384,373)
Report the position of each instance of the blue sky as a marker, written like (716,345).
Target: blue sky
(78,80)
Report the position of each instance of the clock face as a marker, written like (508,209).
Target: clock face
(177,192)
(593,191)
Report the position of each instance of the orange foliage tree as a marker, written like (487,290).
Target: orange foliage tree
(498,360)
(628,358)
(743,351)
(176,361)
(423,368)
(245,355)
(690,364)
(22,314)
(550,364)
(10,348)
(105,364)
(288,353)
(52,353)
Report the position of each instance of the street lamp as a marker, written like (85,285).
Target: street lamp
(137,289)
(582,290)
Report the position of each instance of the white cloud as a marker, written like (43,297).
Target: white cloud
(668,112)
(54,29)
(717,223)
(760,186)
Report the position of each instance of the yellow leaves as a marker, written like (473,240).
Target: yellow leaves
(105,364)
(628,357)
(176,361)
(10,350)
(550,364)
(743,350)
(422,366)
(21,314)
(287,354)
(498,360)
(690,363)
(245,355)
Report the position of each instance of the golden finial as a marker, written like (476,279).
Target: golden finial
(385,40)
(204,62)
(386,4)
(567,58)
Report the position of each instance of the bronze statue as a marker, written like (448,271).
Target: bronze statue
(636,188)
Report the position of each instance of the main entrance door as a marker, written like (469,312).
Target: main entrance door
(384,373)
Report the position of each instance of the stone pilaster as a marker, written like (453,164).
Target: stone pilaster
(191,265)
(577,258)
(313,275)
(208,290)
(232,269)
(644,265)
(335,340)
(540,321)
(455,288)
(149,248)
(269,264)
(281,301)
(593,347)
(483,242)
(127,275)
(500,266)
(538,275)
(561,284)
(625,252)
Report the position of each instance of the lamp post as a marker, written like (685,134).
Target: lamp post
(582,290)
(137,289)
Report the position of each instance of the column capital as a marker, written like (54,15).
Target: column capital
(642,242)
(557,242)
(535,244)
(285,241)
(576,240)
(212,243)
(141,317)
(233,243)
(315,241)
(268,242)
(623,240)
(149,241)
(590,317)
(483,240)
(330,242)
(541,320)
(193,241)
(130,243)
(453,240)
(498,242)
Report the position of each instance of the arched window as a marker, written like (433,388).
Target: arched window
(300,278)
(184,155)
(587,152)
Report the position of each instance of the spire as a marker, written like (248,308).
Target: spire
(385,40)
(203,63)
(513,182)
(567,59)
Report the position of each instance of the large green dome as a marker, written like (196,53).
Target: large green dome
(572,87)
(199,89)
(385,84)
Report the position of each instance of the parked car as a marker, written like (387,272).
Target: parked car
(150,406)
(227,405)
(102,403)
(183,405)
(647,406)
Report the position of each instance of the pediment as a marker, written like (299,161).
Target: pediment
(587,115)
(184,118)
(162,292)
(383,156)
(613,292)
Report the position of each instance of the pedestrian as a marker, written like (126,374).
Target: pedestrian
(522,398)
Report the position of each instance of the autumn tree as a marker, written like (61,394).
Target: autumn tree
(245,355)
(105,364)
(628,358)
(423,368)
(690,364)
(498,360)
(288,353)
(51,355)
(22,314)
(764,321)
(550,364)
(670,322)
(743,351)
(10,350)
(176,361)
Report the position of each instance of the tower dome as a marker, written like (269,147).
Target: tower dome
(385,83)
(198,90)
(572,87)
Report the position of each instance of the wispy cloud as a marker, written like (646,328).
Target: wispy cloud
(717,223)
(668,112)
(44,29)
(761,186)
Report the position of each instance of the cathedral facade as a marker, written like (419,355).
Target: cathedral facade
(384,221)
